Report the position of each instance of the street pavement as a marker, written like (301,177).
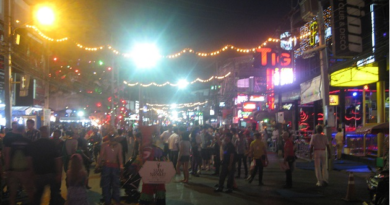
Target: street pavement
(200,190)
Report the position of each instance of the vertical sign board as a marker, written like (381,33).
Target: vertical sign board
(351,27)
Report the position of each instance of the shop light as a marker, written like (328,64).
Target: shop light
(354,94)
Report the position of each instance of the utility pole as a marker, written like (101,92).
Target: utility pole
(112,93)
(324,79)
(8,61)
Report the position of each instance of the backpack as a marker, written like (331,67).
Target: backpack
(19,161)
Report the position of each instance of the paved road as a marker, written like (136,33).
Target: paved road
(200,189)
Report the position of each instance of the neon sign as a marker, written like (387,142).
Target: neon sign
(313,32)
(240,99)
(269,58)
(249,106)
(257,98)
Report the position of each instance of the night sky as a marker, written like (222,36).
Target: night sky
(204,25)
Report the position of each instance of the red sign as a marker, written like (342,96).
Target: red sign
(249,106)
(269,58)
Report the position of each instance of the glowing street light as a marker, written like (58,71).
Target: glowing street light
(45,16)
(145,55)
(80,113)
(182,83)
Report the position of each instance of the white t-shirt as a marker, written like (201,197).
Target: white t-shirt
(165,136)
(319,141)
(173,140)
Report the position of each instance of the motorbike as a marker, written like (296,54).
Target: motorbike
(378,186)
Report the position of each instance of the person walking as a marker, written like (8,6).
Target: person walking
(32,133)
(289,157)
(111,163)
(339,142)
(164,138)
(47,167)
(319,144)
(241,147)
(195,145)
(17,168)
(258,152)
(136,147)
(76,180)
(173,142)
(124,143)
(228,165)
(184,156)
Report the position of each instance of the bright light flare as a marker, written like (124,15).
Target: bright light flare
(80,113)
(145,55)
(45,16)
(182,83)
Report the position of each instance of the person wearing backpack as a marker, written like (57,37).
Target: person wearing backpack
(18,167)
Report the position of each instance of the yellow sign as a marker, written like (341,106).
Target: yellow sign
(333,100)
(313,32)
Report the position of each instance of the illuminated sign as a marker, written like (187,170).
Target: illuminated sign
(249,106)
(212,112)
(257,98)
(240,99)
(287,106)
(222,104)
(287,42)
(269,58)
(333,100)
(283,76)
(241,114)
(313,32)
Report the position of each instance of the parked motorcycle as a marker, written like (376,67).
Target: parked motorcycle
(378,186)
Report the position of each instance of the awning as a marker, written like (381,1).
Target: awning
(354,76)
(374,128)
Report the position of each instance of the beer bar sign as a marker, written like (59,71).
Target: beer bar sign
(351,27)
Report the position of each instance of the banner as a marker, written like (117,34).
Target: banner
(311,90)
(351,27)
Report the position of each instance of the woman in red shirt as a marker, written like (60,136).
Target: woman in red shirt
(289,157)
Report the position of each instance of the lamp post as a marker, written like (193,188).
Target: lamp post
(145,56)
(45,16)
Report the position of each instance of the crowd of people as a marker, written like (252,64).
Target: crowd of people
(33,159)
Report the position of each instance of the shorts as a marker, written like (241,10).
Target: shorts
(184,159)
(206,154)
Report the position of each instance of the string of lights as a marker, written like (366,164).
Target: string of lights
(182,105)
(176,84)
(171,56)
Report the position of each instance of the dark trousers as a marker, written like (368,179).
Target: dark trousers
(166,150)
(217,163)
(196,160)
(124,157)
(173,157)
(289,174)
(110,184)
(242,158)
(226,173)
(259,166)
(55,193)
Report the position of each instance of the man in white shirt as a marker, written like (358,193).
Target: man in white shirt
(339,142)
(319,143)
(173,145)
(164,138)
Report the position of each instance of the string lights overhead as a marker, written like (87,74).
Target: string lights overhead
(176,106)
(176,84)
(171,56)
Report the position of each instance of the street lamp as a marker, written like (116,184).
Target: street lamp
(145,55)
(45,15)
(182,83)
